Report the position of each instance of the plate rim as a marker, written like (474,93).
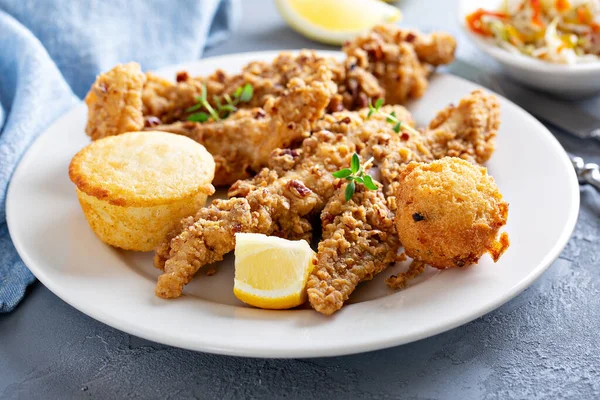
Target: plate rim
(241,349)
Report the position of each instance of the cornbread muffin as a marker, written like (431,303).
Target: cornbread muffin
(135,187)
(449,213)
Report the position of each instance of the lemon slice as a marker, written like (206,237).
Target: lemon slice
(335,21)
(271,272)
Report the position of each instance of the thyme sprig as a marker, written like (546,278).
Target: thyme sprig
(356,173)
(223,107)
(399,126)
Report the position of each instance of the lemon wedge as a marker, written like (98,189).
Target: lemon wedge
(271,272)
(335,21)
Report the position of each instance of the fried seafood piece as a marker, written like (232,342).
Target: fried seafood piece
(374,137)
(241,144)
(391,152)
(449,213)
(400,59)
(278,201)
(168,101)
(295,187)
(359,241)
(115,102)
(467,131)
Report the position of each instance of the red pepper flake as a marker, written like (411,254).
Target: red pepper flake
(260,113)
(345,120)
(237,228)
(376,53)
(290,152)
(182,76)
(405,136)
(220,75)
(583,15)
(327,218)
(410,37)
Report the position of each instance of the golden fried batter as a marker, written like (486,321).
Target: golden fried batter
(391,152)
(277,201)
(468,130)
(115,102)
(296,186)
(242,143)
(168,101)
(400,59)
(359,241)
(290,94)
(449,213)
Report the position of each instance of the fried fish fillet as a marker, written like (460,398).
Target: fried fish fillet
(115,102)
(344,257)
(278,201)
(400,59)
(167,102)
(241,144)
(298,183)
(359,241)
(290,94)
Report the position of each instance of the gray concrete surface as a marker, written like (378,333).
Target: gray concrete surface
(543,344)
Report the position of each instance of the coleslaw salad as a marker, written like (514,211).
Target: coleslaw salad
(556,31)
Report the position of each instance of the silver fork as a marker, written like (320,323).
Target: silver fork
(586,173)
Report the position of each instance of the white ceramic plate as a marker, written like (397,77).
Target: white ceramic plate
(117,287)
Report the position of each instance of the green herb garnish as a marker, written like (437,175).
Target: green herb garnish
(223,107)
(356,173)
(391,118)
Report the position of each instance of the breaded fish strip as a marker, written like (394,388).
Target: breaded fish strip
(298,183)
(386,62)
(467,131)
(278,201)
(359,241)
(343,254)
(115,102)
(242,143)
(167,101)
(400,59)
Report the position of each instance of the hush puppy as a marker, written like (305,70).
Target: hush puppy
(449,213)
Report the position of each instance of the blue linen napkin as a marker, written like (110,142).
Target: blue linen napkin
(51,52)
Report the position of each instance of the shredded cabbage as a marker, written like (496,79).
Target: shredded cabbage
(559,31)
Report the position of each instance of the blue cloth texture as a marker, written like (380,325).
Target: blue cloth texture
(51,52)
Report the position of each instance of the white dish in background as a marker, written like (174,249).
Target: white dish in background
(117,287)
(567,81)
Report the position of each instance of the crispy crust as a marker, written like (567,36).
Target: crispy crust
(359,241)
(400,59)
(450,213)
(115,102)
(278,201)
(297,185)
(467,131)
(142,169)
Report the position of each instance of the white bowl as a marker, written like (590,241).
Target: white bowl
(568,81)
